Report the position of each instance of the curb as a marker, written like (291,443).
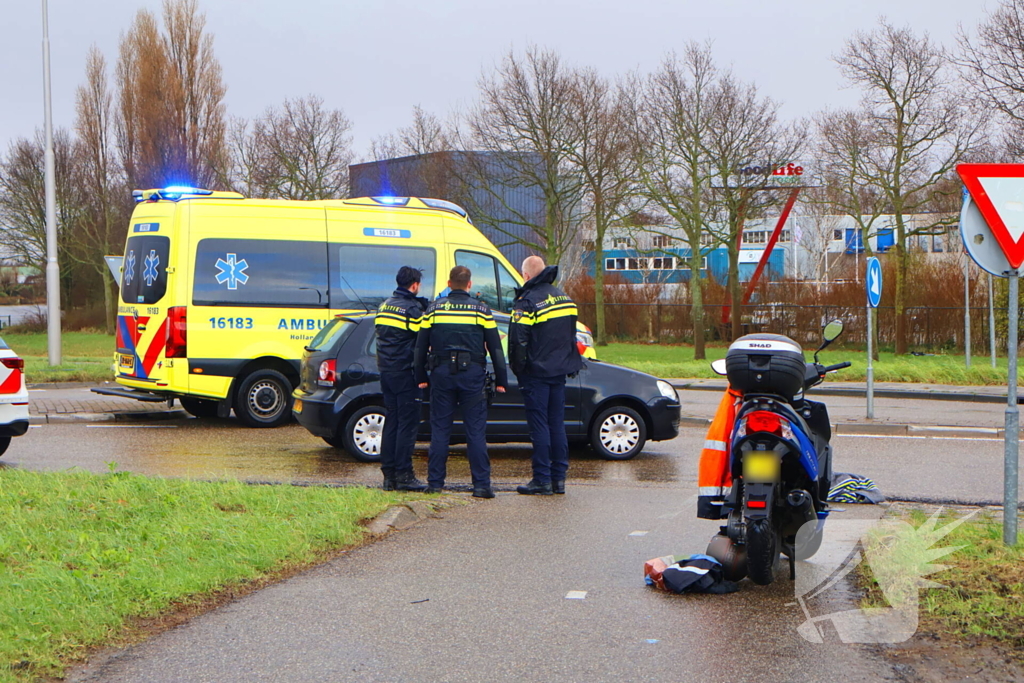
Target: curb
(84,418)
(825,390)
(406,515)
(886,429)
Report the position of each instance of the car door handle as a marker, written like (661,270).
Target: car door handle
(142,327)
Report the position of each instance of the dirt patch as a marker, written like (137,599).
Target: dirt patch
(931,658)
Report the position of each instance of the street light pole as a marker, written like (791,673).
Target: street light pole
(52,269)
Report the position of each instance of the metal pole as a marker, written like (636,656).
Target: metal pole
(871,367)
(52,270)
(967,314)
(991,321)
(1012,433)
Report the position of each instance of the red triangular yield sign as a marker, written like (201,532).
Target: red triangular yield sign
(998,191)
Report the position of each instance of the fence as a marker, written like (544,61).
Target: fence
(931,328)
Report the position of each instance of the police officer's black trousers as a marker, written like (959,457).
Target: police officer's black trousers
(466,390)
(544,399)
(401,401)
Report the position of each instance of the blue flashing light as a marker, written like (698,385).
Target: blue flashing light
(181,189)
(391,201)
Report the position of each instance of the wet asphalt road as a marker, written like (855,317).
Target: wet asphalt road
(965,470)
(494,575)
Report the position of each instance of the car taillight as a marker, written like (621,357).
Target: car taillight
(764,421)
(177,338)
(328,372)
(13,363)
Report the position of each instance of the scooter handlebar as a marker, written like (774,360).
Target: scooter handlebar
(837,366)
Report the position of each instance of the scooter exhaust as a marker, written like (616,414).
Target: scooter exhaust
(800,501)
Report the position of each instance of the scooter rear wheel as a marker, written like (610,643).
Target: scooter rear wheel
(762,551)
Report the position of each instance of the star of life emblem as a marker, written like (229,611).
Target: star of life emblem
(232,271)
(149,272)
(129,268)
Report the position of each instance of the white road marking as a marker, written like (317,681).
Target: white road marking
(576,595)
(37,389)
(937,438)
(132,426)
(637,533)
(34,426)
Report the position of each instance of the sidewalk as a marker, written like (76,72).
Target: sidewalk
(74,402)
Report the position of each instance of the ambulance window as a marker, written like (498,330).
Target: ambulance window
(277,273)
(483,274)
(144,270)
(508,284)
(363,275)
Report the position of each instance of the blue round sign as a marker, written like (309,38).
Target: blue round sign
(873,281)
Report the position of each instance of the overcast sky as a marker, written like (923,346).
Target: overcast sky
(376,60)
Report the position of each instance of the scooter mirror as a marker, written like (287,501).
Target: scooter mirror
(832,330)
(718,366)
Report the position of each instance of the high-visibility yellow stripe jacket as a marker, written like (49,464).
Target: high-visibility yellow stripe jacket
(714,478)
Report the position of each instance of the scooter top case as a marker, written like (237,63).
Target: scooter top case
(766,364)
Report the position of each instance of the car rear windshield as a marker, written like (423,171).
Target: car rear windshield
(331,334)
(144,275)
(4,346)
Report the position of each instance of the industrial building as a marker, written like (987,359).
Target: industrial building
(488,185)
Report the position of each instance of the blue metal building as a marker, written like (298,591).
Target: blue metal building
(672,266)
(489,186)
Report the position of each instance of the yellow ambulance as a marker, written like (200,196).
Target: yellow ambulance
(220,294)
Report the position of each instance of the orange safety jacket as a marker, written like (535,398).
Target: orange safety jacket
(714,479)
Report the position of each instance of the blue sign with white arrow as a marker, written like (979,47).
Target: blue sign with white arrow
(874,282)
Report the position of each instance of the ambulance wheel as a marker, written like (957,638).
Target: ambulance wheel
(197,407)
(264,399)
(364,433)
(618,433)
(5,443)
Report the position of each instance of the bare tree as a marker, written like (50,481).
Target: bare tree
(102,225)
(918,128)
(606,162)
(993,62)
(747,143)
(305,150)
(171,127)
(673,111)
(23,199)
(434,172)
(815,231)
(523,126)
(845,140)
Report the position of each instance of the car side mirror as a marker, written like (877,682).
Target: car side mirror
(718,366)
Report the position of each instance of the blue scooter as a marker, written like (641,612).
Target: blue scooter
(780,456)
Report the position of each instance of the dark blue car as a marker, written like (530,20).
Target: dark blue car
(614,409)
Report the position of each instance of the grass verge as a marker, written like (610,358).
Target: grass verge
(673,362)
(982,587)
(86,356)
(82,556)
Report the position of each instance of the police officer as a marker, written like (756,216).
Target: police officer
(542,351)
(397,324)
(455,336)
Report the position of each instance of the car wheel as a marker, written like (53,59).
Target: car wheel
(5,443)
(364,432)
(618,433)
(198,407)
(264,399)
